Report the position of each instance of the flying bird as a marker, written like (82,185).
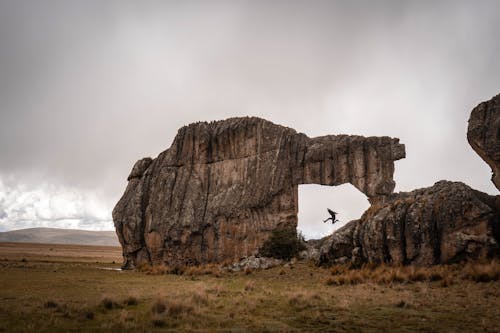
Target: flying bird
(333,216)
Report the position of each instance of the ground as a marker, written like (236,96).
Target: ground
(60,288)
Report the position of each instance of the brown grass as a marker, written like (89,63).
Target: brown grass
(482,272)
(384,274)
(439,299)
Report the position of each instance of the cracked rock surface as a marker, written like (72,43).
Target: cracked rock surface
(444,223)
(217,193)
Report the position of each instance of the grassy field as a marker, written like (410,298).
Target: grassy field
(62,288)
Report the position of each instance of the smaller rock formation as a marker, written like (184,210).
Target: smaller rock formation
(445,223)
(484,134)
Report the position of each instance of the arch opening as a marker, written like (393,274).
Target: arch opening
(314,200)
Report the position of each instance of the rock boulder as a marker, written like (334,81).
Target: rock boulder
(445,223)
(222,187)
(483,134)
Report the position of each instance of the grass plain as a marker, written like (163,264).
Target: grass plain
(65,288)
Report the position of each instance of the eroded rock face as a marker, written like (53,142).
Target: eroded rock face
(222,187)
(484,134)
(445,223)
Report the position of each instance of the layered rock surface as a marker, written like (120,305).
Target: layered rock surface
(222,187)
(484,134)
(445,223)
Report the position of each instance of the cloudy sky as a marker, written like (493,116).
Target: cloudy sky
(88,87)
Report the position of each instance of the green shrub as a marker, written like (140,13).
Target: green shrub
(282,244)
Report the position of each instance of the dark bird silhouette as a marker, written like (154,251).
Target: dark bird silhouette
(333,218)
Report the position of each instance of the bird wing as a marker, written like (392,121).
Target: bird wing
(331,211)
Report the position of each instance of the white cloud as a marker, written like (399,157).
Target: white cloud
(48,205)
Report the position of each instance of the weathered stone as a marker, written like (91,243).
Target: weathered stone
(254,262)
(222,187)
(484,134)
(445,223)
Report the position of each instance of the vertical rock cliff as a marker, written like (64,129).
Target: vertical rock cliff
(483,134)
(221,187)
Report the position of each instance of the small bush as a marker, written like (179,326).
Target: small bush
(282,244)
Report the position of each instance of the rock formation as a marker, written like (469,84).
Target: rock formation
(445,223)
(222,187)
(484,134)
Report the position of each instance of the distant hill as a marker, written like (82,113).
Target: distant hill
(60,236)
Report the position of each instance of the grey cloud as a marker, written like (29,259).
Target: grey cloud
(88,87)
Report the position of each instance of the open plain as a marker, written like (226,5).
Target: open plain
(62,288)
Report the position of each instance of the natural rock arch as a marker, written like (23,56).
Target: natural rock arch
(345,199)
(221,187)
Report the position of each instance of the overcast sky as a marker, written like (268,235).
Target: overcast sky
(88,87)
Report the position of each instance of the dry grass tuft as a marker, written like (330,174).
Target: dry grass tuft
(208,269)
(302,299)
(158,321)
(159,307)
(177,310)
(482,272)
(403,304)
(131,300)
(446,275)
(171,308)
(350,277)
(161,269)
(109,303)
(218,290)
(89,315)
(200,297)
(250,286)
(50,305)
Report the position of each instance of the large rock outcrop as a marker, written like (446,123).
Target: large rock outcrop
(484,134)
(445,223)
(221,187)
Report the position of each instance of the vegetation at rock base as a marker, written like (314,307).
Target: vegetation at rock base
(73,289)
(284,243)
